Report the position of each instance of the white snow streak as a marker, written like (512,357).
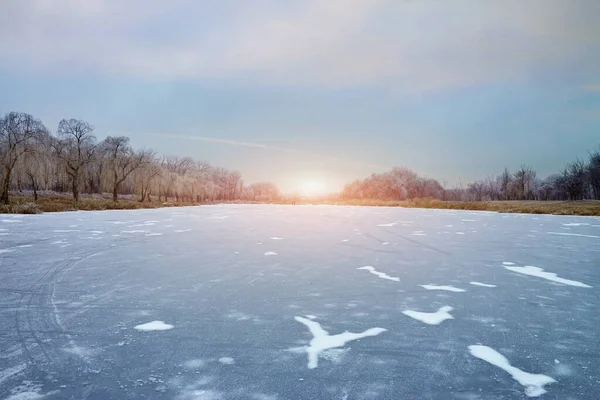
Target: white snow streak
(573,234)
(481,284)
(227,360)
(276,238)
(153,326)
(575,224)
(270,253)
(434,318)
(381,275)
(322,340)
(534,383)
(390,224)
(442,287)
(551,276)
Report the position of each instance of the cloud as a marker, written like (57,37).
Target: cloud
(406,44)
(592,88)
(307,154)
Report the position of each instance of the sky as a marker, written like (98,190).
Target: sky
(296,91)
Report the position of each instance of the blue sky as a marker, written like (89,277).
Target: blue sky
(288,91)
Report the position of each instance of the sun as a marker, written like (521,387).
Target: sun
(312,188)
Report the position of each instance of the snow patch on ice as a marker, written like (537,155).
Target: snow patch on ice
(24,246)
(10,221)
(390,224)
(447,288)
(66,230)
(227,360)
(270,253)
(154,234)
(434,318)
(323,341)
(481,284)
(534,383)
(573,234)
(153,326)
(276,238)
(507,263)
(576,224)
(195,364)
(551,276)
(381,275)
(135,231)
(182,230)
(460,233)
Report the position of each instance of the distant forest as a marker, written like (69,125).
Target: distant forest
(578,180)
(73,160)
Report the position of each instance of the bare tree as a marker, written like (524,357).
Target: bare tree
(594,172)
(75,147)
(18,134)
(122,160)
(147,174)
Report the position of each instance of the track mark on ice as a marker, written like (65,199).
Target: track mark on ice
(381,275)
(551,276)
(573,234)
(153,326)
(434,318)
(447,288)
(481,284)
(534,383)
(323,341)
(66,230)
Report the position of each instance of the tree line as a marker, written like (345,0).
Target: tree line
(73,160)
(578,180)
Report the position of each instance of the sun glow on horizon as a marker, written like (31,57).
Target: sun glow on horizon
(311,188)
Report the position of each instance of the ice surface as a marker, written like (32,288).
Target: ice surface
(534,383)
(434,318)
(481,284)
(442,287)
(153,326)
(381,275)
(68,314)
(551,276)
(322,340)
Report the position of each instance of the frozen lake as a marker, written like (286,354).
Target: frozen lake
(299,302)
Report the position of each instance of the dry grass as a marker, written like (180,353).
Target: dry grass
(26,205)
(587,207)
(63,203)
